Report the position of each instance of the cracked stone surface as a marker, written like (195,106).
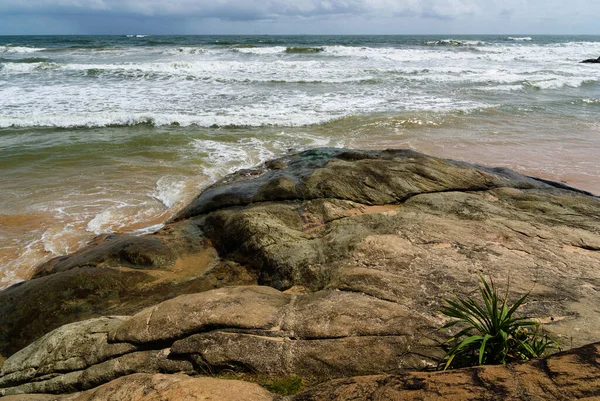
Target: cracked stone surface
(325,264)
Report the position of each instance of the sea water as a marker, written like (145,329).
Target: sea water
(103,134)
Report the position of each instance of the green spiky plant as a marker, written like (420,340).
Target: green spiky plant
(491,332)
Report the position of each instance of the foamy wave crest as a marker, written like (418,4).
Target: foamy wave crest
(19,49)
(224,158)
(261,50)
(29,67)
(90,120)
(560,82)
(188,50)
(97,120)
(125,217)
(455,42)
(147,230)
(520,39)
(227,157)
(169,190)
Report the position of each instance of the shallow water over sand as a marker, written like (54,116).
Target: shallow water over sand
(115,134)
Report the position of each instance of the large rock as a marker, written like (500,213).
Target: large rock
(359,247)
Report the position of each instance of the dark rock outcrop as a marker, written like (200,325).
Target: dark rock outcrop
(333,262)
(592,60)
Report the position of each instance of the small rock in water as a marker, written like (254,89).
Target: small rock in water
(592,60)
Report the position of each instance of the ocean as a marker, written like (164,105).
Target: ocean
(114,134)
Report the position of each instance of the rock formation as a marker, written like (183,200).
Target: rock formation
(592,60)
(325,264)
(573,375)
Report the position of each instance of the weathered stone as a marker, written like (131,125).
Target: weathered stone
(72,347)
(136,362)
(315,359)
(570,375)
(32,308)
(160,387)
(237,307)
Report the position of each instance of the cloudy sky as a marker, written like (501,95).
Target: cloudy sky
(299,16)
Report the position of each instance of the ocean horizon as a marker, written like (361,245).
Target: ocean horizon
(116,133)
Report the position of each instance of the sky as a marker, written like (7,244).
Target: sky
(20,17)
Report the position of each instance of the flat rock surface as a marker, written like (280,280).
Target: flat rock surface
(325,264)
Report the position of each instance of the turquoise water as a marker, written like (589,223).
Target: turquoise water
(115,133)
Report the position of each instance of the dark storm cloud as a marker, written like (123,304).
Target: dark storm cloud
(243,9)
(475,16)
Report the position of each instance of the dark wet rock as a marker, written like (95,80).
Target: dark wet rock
(592,60)
(60,296)
(126,251)
(368,177)
(571,375)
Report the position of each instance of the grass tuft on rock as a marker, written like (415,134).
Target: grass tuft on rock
(288,385)
(491,333)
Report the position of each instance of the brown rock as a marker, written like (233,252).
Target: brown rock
(374,239)
(160,387)
(237,307)
(571,375)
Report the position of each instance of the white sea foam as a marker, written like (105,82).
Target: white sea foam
(19,49)
(60,240)
(456,42)
(169,190)
(224,158)
(220,87)
(261,50)
(123,217)
(521,39)
(148,230)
